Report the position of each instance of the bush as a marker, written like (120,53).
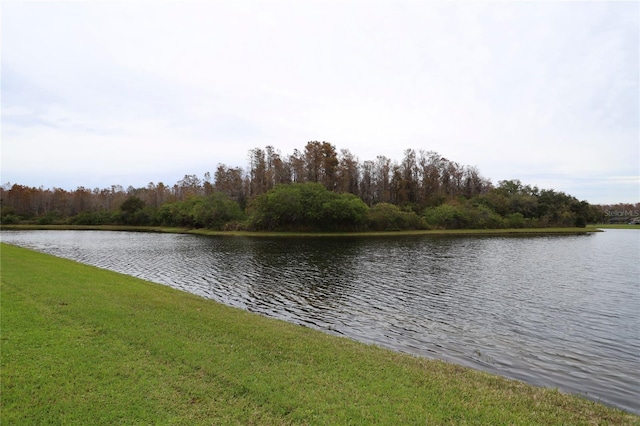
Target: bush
(343,212)
(10,219)
(389,217)
(482,217)
(515,220)
(448,216)
(50,218)
(212,212)
(102,217)
(306,207)
(215,211)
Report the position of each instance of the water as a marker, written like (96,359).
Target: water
(554,311)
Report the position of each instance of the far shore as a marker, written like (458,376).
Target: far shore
(203,231)
(615,226)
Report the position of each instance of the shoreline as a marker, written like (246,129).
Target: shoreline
(202,231)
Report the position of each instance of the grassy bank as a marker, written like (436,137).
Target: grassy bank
(35,227)
(81,345)
(615,226)
(509,231)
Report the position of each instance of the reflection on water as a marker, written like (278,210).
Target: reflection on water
(552,311)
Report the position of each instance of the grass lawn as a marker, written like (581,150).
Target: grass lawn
(81,345)
(615,226)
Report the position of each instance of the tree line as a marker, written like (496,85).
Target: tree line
(318,188)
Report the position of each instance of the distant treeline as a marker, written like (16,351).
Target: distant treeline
(317,189)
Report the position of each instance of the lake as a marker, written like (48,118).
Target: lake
(553,311)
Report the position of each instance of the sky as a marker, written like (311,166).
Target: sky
(105,93)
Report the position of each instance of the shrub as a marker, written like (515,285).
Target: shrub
(343,212)
(483,217)
(515,220)
(389,217)
(306,207)
(211,212)
(10,219)
(94,218)
(447,216)
(50,218)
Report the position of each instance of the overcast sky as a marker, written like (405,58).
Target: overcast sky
(125,93)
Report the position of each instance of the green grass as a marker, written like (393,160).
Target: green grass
(509,231)
(615,226)
(33,227)
(81,345)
